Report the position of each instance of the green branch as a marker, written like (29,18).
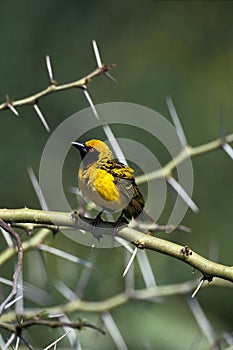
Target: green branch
(115,301)
(208,268)
(185,153)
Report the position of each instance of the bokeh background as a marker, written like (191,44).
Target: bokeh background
(179,48)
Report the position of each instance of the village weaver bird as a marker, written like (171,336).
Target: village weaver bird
(107,182)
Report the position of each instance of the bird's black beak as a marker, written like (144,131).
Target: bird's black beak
(81,147)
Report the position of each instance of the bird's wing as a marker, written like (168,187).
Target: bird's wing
(125,183)
(125,187)
(132,194)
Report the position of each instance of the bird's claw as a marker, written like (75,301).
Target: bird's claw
(96,221)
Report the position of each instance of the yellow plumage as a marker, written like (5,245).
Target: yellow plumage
(106,182)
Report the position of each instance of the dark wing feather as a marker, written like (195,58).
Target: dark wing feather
(125,183)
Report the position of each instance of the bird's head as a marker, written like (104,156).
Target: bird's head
(93,151)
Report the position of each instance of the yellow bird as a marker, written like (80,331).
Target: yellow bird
(107,182)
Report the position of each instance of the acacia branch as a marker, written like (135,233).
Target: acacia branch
(54,87)
(115,301)
(208,268)
(185,153)
(18,328)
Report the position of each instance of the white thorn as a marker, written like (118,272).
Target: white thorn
(146,269)
(65,291)
(110,77)
(13,302)
(99,61)
(202,320)
(8,238)
(56,341)
(17,343)
(176,121)
(182,193)
(42,118)
(89,100)
(200,284)
(124,244)
(130,262)
(72,335)
(9,283)
(37,189)
(49,68)
(114,331)
(13,109)
(9,341)
(228,149)
(97,54)
(65,255)
(114,143)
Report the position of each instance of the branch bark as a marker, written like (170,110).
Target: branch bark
(209,269)
(52,88)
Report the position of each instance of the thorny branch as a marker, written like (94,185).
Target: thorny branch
(115,301)
(208,268)
(18,328)
(55,87)
(18,269)
(186,152)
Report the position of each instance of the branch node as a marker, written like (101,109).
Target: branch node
(186,251)
(9,104)
(140,244)
(74,216)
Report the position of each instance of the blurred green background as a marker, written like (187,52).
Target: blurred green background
(179,48)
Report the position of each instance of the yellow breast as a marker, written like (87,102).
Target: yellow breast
(98,185)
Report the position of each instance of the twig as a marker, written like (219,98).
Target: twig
(186,152)
(17,328)
(33,99)
(18,266)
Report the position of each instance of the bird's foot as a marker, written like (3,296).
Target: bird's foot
(119,224)
(96,221)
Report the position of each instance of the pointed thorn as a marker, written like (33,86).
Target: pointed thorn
(228,149)
(42,118)
(97,54)
(13,109)
(130,262)
(202,321)
(176,121)
(13,302)
(113,141)
(110,77)
(49,69)
(65,255)
(200,284)
(146,269)
(124,244)
(114,331)
(37,188)
(89,100)
(182,193)
(54,344)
